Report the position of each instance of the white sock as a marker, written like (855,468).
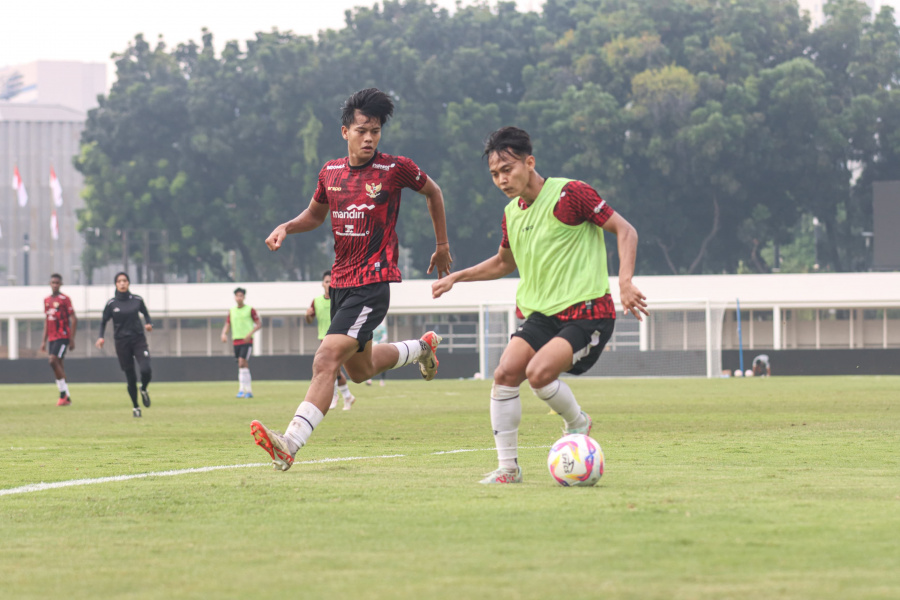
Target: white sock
(248,381)
(302,425)
(560,398)
(61,384)
(409,351)
(345,391)
(506,414)
(241,380)
(244,380)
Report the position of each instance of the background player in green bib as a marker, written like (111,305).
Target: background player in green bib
(244,322)
(320,310)
(553,233)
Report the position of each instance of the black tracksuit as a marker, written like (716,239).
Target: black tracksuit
(128,332)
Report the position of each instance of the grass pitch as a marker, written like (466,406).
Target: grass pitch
(778,488)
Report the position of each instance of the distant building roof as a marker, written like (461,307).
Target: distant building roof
(14,111)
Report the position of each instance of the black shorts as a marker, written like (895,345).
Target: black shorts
(130,349)
(357,311)
(58,348)
(243,351)
(587,337)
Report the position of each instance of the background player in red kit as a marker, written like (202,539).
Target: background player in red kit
(59,329)
(361,193)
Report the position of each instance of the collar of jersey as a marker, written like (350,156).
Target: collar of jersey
(366,164)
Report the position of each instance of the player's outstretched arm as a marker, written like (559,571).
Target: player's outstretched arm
(308,220)
(500,265)
(630,296)
(441,259)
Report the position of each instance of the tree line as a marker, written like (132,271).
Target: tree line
(720,129)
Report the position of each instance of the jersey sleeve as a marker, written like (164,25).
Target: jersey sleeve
(69,308)
(579,202)
(143,310)
(504,241)
(320,196)
(254,315)
(107,315)
(409,175)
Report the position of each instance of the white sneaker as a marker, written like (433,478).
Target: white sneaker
(334,401)
(348,402)
(502,475)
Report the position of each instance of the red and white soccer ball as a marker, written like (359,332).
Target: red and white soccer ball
(575,460)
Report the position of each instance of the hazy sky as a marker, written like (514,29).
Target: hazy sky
(91,30)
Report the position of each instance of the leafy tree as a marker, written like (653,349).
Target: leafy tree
(719,129)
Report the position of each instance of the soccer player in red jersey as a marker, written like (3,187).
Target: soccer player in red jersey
(361,193)
(59,329)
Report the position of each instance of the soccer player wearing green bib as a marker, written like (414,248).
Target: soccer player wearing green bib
(553,233)
(320,310)
(244,322)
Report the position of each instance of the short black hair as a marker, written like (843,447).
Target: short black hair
(56,276)
(508,140)
(371,102)
(326,274)
(127,278)
(241,290)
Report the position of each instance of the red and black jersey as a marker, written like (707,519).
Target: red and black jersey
(58,309)
(598,308)
(364,202)
(578,202)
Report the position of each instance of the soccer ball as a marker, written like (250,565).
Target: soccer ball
(575,460)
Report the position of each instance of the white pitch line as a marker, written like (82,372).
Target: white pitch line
(39,487)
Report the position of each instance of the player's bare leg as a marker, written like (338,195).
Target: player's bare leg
(543,372)
(333,351)
(374,359)
(378,358)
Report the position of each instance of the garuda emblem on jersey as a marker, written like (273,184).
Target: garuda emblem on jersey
(372,190)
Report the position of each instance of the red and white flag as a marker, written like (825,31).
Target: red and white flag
(55,188)
(54,226)
(19,186)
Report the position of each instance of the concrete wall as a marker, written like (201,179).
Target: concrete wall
(821,362)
